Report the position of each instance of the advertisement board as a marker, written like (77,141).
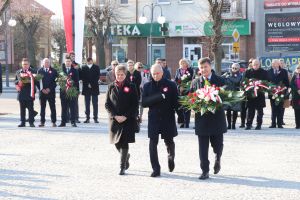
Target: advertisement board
(282,32)
(272,4)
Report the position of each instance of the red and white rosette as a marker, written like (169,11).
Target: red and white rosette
(68,83)
(126,89)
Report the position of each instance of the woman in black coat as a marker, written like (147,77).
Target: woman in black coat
(122,105)
(295,90)
(134,76)
(233,81)
(184,71)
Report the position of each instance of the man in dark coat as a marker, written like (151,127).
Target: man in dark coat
(209,126)
(161,96)
(67,103)
(47,91)
(277,76)
(134,76)
(259,102)
(26,92)
(90,74)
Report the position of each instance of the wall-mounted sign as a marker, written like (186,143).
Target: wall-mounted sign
(243,27)
(186,29)
(270,4)
(282,32)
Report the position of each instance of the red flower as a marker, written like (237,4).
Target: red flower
(179,81)
(217,88)
(166,89)
(195,94)
(193,100)
(190,94)
(126,89)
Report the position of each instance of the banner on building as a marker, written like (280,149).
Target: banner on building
(282,32)
(266,62)
(243,26)
(272,4)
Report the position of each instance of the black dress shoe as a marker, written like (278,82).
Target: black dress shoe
(77,121)
(280,126)
(62,125)
(96,121)
(242,126)
(73,125)
(258,128)
(41,125)
(283,123)
(86,121)
(181,126)
(171,163)
(204,175)
(233,127)
(35,113)
(21,125)
(297,127)
(272,126)
(155,174)
(217,167)
(248,128)
(32,125)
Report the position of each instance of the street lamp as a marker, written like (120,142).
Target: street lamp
(11,23)
(161,19)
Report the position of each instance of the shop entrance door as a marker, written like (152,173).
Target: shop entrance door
(192,52)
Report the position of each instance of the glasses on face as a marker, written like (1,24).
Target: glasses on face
(140,67)
(234,68)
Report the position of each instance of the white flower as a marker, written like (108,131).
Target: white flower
(276,95)
(273,97)
(207,99)
(282,95)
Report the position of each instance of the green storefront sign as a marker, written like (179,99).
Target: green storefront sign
(133,30)
(136,30)
(243,26)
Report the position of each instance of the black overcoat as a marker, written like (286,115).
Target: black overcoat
(259,101)
(209,123)
(122,102)
(24,94)
(90,76)
(48,81)
(161,115)
(136,79)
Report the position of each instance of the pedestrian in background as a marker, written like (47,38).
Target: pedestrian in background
(295,90)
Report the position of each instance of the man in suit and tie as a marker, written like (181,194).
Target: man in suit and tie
(69,102)
(26,92)
(90,74)
(206,127)
(277,75)
(47,91)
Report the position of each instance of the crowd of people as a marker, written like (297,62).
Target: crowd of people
(131,88)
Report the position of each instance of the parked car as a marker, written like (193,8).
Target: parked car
(103,73)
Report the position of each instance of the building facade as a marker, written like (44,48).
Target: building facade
(188,31)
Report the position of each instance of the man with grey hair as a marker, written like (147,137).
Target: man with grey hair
(277,75)
(47,91)
(161,96)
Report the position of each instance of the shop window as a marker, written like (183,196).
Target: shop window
(158,49)
(163,1)
(124,2)
(120,49)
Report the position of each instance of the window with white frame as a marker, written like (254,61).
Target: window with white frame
(185,1)
(124,2)
(163,1)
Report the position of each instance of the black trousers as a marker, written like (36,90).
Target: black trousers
(231,117)
(184,116)
(297,117)
(243,112)
(153,151)
(87,99)
(216,142)
(29,105)
(277,113)
(43,102)
(67,104)
(76,109)
(251,114)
